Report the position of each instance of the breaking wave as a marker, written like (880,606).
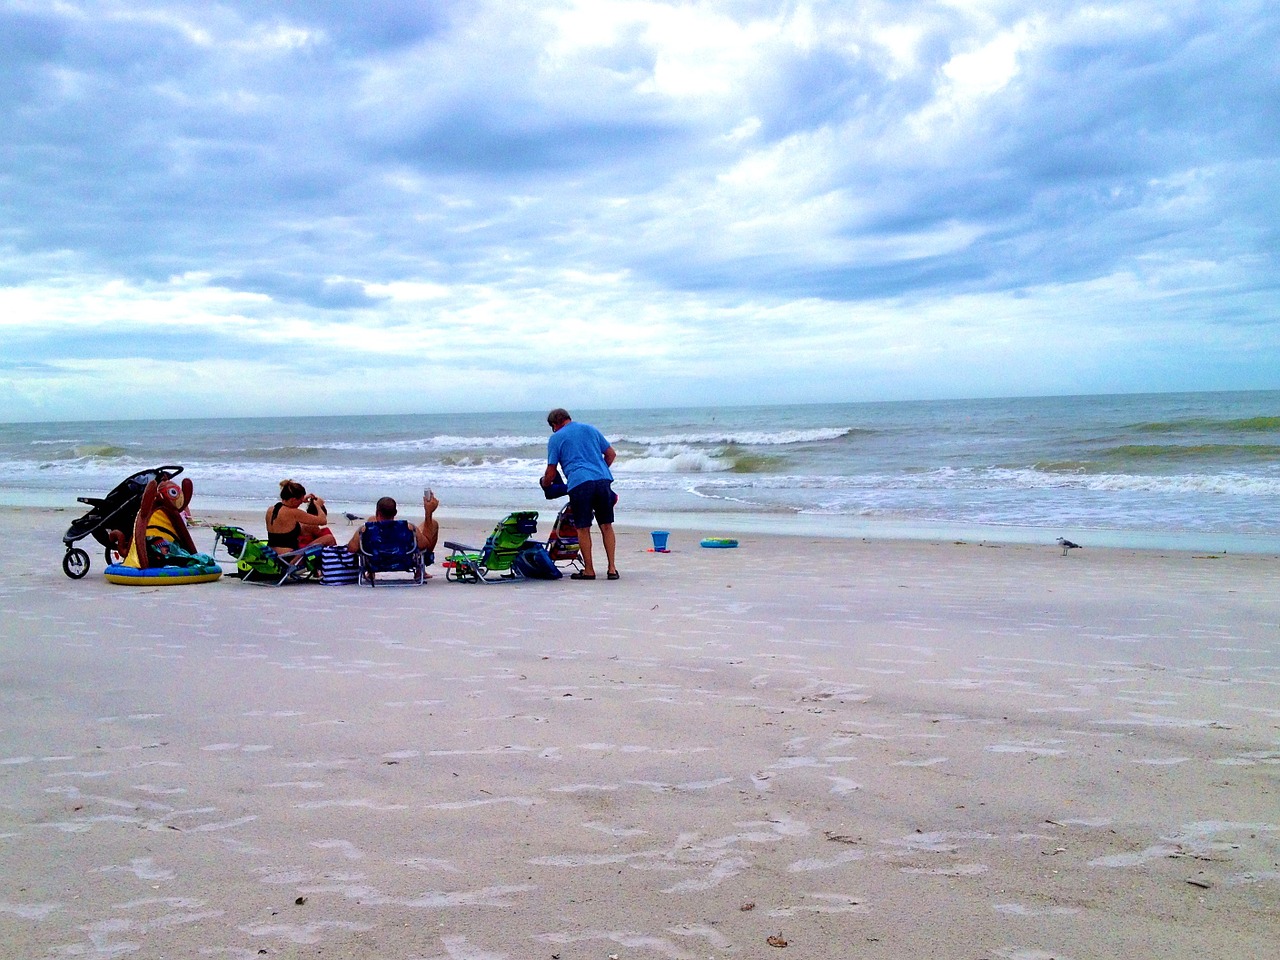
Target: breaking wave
(439,442)
(1260,424)
(745,438)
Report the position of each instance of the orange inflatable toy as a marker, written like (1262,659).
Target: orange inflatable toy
(160,517)
(160,549)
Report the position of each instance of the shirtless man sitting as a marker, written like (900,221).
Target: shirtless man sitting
(426,535)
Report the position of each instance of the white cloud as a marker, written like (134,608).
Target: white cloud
(972,76)
(401,291)
(689,199)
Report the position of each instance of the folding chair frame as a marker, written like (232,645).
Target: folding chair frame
(294,565)
(475,564)
(413,561)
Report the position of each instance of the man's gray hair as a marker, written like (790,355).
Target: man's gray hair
(558,416)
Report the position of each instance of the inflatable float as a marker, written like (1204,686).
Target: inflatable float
(162,576)
(719,542)
(160,551)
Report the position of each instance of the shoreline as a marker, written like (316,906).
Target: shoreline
(729,523)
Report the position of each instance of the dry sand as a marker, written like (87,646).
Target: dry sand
(800,748)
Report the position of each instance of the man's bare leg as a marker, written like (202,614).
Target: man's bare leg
(584,551)
(429,535)
(610,542)
(429,532)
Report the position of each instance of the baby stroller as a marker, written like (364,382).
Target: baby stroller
(116,511)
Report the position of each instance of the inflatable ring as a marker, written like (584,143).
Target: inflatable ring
(162,576)
(719,542)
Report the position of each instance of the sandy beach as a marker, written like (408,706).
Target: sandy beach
(804,747)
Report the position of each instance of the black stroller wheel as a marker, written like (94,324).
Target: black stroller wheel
(76,563)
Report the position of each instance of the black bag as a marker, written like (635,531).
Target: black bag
(534,563)
(556,489)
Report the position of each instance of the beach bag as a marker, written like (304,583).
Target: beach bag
(534,563)
(337,566)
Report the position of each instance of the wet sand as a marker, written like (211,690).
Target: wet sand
(802,747)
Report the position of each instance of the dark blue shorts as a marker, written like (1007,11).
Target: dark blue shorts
(593,497)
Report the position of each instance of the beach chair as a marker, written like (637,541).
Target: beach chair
(479,564)
(256,562)
(390,546)
(562,543)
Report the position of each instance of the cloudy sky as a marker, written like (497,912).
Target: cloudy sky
(380,206)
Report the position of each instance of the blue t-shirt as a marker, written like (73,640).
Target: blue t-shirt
(579,448)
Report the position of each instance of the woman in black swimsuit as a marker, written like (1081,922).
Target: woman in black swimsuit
(290,525)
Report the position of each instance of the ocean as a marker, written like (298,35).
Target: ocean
(1196,471)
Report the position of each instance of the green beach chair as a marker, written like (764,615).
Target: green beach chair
(256,562)
(479,564)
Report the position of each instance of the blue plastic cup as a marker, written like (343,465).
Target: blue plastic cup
(660,539)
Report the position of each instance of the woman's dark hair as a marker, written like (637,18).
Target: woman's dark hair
(292,490)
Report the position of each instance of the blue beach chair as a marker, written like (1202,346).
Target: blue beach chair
(390,546)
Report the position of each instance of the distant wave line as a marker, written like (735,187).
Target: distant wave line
(749,438)
(745,438)
(1259,424)
(438,442)
(1196,451)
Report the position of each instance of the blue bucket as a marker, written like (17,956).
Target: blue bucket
(660,539)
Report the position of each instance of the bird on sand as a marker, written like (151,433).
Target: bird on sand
(351,518)
(1067,545)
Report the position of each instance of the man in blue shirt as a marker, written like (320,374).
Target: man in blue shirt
(586,456)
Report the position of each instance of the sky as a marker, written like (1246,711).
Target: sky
(375,206)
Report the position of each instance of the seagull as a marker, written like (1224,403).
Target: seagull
(351,518)
(1067,545)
